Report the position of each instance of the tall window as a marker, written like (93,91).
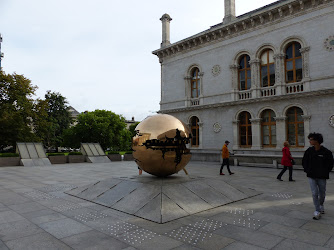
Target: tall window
(268,127)
(195,83)
(267,68)
(194,131)
(293,63)
(245,129)
(295,127)
(244,73)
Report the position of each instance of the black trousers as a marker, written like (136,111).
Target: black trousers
(283,171)
(227,163)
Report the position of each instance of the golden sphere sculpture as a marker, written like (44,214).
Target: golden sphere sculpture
(159,147)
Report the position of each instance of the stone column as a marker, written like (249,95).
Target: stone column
(165,19)
(279,74)
(235,87)
(187,89)
(255,77)
(200,131)
(235,134)
(256,133)
(280,131)
(229,11)
(306,119)
(306,72)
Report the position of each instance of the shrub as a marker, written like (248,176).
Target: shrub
(9,155)
(55,154)
(74,153)
(113,153)
(128,152)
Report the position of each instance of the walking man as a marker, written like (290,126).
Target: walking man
(226,160)
(317,163)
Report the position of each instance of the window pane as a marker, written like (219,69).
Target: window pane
(242,63)
(264,76)
(273,130)
(242,85)
(243,140)
(271,56)
(299,75)
(289,52)
(289,76)
(264,58)
(301,140)
(289,65)
(297,48)
(198,91)
(247,61)
(291,129)
(242,118)
(266,140)
(249,74)
(265,130)
(194,85)
(249,83)
(242,75)
(272,79)
(273,139)
(242,131)
(299,63)
(301,128)
(194,93)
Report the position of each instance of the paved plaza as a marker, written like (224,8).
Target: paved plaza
(35,213)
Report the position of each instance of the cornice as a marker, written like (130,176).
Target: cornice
(242,24)
(300,95)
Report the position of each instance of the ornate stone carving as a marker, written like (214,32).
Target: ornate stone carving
(252,22)
(306,117)
(261,19)
(255,120)
(280,12)
(329,43)
(291,9)
(215,70)
(217,127)
(301,3)
(305,55)
(280,119)
(331,120)
(244,25)
(236,27)
(228,30)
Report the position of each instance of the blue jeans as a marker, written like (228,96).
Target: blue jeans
(318,188)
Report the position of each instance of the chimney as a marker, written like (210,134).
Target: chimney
(229,11)
(165,19)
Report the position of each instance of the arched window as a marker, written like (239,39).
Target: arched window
(244,73)
(295,127)
(245,129)
(293,63)
(195,83)
(267,68)
(194,131)
(268,128)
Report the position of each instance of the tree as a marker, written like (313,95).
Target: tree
(132,128)
(16,109)
(57,118)
(105,127)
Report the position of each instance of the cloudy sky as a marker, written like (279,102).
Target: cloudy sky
(98,54)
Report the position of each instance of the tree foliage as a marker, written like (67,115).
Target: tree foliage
(105,127)
(132,128)
(52,118)
(16,109)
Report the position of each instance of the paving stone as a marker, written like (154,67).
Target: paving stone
(330,243)
(9,216)
(93,240)
(260,239)
(241,245)
(27,207)
(37,241)
(297,245)
(64,228)
(47,218)
(283,220)
(3,246)
(319,227)
(18,229)
(296,233)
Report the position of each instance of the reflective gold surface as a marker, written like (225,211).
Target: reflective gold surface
(159,148)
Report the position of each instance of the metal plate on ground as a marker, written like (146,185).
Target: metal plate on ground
(161,200)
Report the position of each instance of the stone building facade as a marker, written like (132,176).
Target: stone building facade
(256,80)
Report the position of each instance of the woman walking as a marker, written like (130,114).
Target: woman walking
(286,162)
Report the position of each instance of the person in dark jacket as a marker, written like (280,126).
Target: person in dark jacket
(286,162)
(317,163)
